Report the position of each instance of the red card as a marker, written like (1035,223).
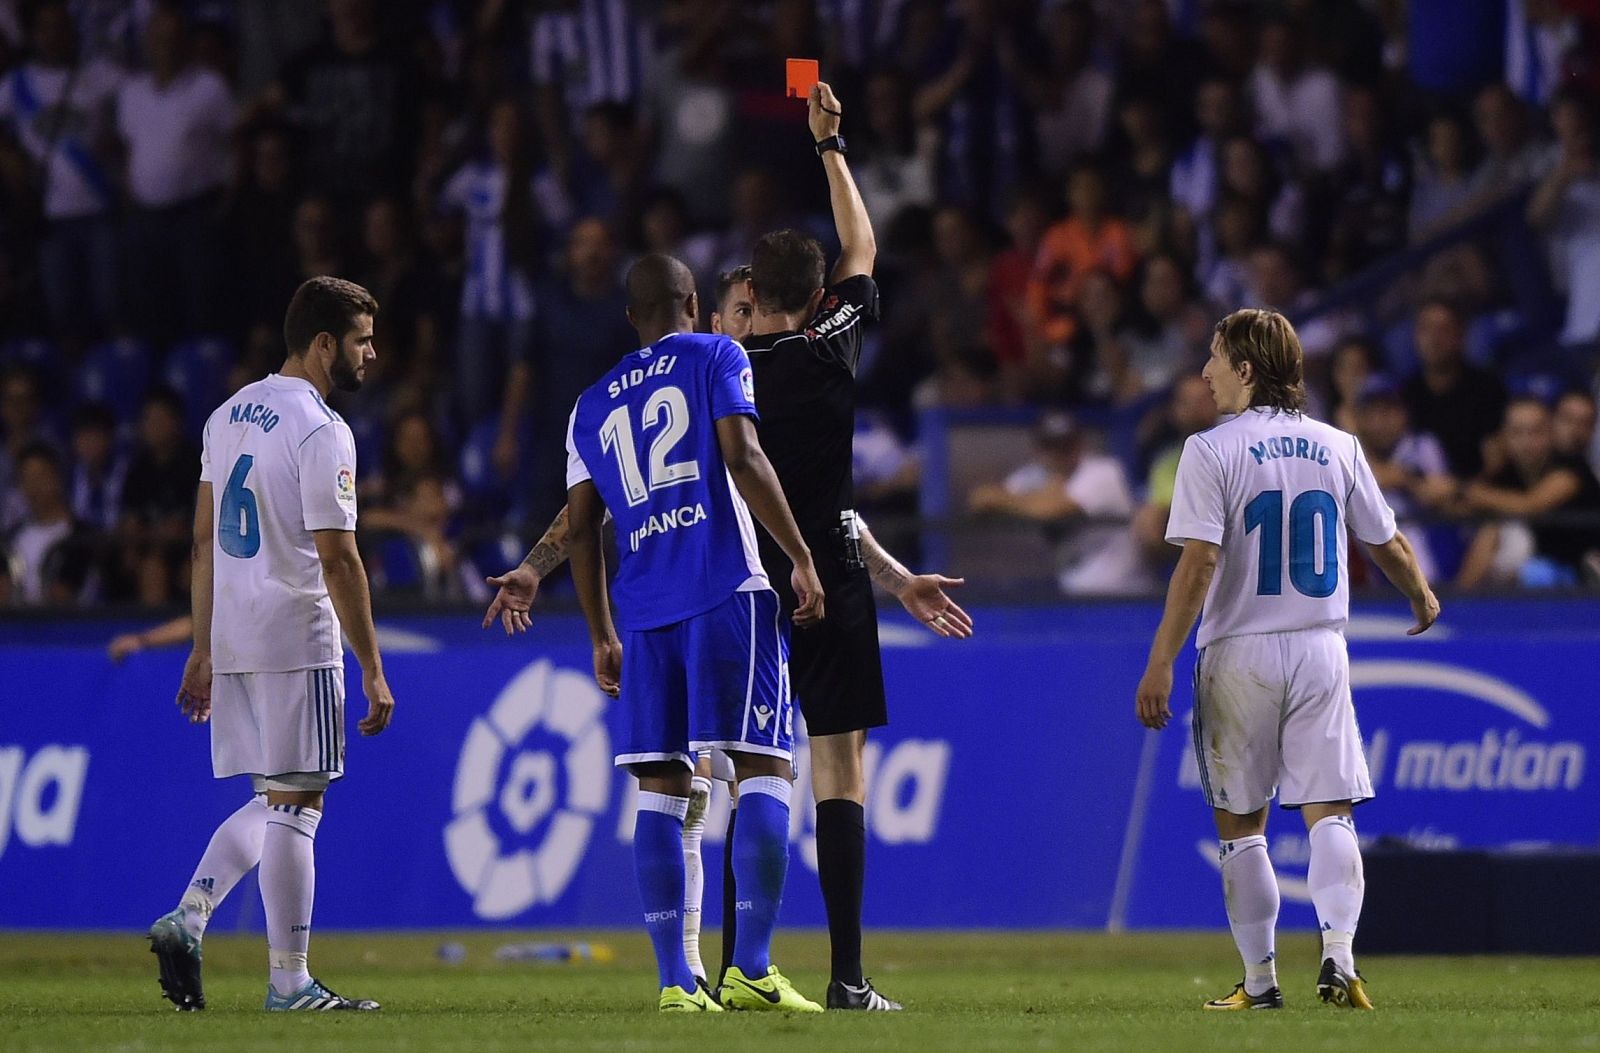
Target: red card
(803,74)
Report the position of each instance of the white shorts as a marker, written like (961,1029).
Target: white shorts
(279,727)
(1273,715)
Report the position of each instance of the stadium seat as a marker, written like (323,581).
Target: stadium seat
(198,370)
(116,373)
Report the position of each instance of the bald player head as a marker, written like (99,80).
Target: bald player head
(661,297)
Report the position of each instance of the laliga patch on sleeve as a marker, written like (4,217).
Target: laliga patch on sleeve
(747,382)
(346,489)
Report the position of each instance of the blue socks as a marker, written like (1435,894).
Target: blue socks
(760,864)
(658,860)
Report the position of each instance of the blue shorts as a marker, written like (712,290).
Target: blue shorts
(719,680)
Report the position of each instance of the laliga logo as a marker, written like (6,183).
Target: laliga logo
(43,793)
(1500,761)
(545,703)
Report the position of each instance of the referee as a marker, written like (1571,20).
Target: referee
(805,341)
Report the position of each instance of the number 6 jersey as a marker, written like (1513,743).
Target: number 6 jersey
(646,435)
(1278,492)
(281,464)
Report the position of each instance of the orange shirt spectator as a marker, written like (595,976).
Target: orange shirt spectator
(1086,240)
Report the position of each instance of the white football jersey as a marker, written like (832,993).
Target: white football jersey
(281,464)
(1278,492)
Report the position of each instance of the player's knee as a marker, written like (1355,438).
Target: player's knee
(1231,825)
(755,765)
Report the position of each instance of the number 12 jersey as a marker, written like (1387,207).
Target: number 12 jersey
(645,434)
(281,464)
(1278,492)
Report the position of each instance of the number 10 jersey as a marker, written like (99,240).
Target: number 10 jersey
(281,464)
(1278,492)
(646,435)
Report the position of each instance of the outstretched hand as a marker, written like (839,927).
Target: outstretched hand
(925,600)
(518,589)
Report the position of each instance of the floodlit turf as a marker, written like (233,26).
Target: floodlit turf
(968,992)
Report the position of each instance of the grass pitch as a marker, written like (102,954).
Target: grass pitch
(967,992)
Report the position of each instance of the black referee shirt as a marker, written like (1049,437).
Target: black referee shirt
(806,395)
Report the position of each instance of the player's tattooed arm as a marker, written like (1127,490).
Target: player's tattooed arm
(551,550)
(922,595)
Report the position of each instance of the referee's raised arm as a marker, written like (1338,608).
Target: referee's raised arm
(858,249)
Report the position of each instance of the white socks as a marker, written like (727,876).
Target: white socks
(1337,886)
(694,883)
(234,849)
(1250,889)
(288,885)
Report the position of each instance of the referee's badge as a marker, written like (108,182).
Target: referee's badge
(747,382)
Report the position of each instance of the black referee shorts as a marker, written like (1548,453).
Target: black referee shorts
(835,667)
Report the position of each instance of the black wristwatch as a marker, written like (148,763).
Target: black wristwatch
(832,142)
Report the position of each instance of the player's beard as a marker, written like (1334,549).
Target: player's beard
(345,376)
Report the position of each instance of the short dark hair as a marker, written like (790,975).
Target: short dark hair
(42,451)
(786,267)
(168,400)
(659,286)
(94,416)
(324,305)
(727,281)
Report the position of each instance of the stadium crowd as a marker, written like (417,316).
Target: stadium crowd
(1067,195)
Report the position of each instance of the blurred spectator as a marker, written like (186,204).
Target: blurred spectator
(414,450)
(1009,331)
(1196,184)
(1247,171)
(1191,410)
(258,222)
(957,293)
(1296,103)
(607,171)
(269,34)
(50,554)
(506,238)
(1368,190)
(583,54)
(354,96)
(1238,228)
(158,500)
(899,163)
(581,329)
(1410,466)
(689,106)
(1512,158)
(1087,239)
(1567,205)
(1155,61)
(407,329)
(664,228)
(1167,331)
(419,554)
(1142,174)
(1443,187)
(1277,281)
(1354,361)
(1536,483)
(98,469)
(177,120)
(1540,36)
(1460,404)
(60,109)
(1060,486)
(984,124)
(1575,426)
(1071,97)
(1092,366)
(22,417)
